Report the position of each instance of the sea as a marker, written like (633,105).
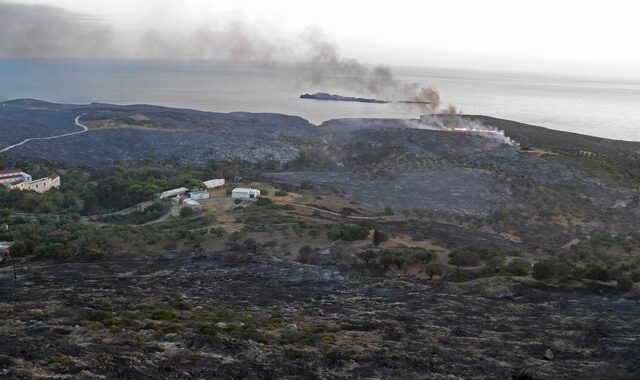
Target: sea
(592,106)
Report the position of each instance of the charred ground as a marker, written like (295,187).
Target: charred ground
(487,255)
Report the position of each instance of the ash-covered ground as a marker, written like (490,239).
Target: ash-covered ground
(568,200)
(443,188)
(218,316)
(401,164)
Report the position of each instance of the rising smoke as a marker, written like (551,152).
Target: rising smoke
(46,31)
(323,64)
(459,124)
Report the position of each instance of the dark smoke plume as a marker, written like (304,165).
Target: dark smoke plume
(323,64)
(46,31)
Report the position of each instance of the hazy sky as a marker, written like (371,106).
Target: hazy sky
(580,37)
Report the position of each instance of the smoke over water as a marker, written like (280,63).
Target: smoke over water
(38,31)
(323,65)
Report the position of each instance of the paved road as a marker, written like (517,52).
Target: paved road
(77,121)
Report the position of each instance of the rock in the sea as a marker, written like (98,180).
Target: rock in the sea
(340,98)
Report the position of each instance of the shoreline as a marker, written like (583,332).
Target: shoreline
(487,119)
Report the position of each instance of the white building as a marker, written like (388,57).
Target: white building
(9,176)
(172,193)
(213,183)
(17,179)
(199,195)
(39,185)
(245,193)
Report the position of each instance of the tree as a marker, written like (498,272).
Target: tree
(381,238)
(432,270)
(386,259)
(18,249)
(376,238)
(187,212)
(464,257)
(367,256)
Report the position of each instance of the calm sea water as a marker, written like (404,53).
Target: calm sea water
(599,108)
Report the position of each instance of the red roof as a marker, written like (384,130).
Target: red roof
(16,182)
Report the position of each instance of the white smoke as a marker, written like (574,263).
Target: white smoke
(459,124)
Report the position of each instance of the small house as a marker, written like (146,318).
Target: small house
(198,195)
(245,193)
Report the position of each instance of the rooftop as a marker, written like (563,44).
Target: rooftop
(10,171)
(243,189)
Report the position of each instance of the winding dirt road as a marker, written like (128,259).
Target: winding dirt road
(77,121)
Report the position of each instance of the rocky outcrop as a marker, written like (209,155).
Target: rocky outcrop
(340,98)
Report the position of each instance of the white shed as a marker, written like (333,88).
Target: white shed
(213,183)
(172,193)
(245,193)
(198,195)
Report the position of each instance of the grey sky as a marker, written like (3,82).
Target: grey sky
(576,37)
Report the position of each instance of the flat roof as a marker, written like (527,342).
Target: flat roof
(11,171)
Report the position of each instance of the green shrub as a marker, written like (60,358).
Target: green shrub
(543,270)
(250,245)
(187,212)
(19,249)
(624,283)
(464,258)
(94,254)
(262,201)
(599,274)
(348,232)
(164,313)
(518,270)
(307,185)
(305,250)
(280,193)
